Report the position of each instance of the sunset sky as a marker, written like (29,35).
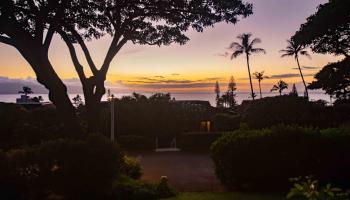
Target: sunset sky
(196,66)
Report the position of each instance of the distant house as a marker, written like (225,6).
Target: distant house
(204,110)
(25,99)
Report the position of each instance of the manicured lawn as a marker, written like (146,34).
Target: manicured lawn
(226,196)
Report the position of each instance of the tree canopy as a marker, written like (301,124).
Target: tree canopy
(328,30)
(29,26)
(334,79)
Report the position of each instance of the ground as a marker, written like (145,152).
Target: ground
(226,196)
(186,171)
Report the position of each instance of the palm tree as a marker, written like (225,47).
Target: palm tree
(26,90)
(294,49)
(281,85)
(260,76)
(246,47)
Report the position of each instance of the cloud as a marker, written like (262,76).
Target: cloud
(159,76)
(221,54)
(306,68)
(169,85)
(290,75)
(13,85)
(175,74)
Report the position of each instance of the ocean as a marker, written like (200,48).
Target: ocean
(314,96)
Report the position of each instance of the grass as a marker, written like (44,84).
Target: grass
(225,196)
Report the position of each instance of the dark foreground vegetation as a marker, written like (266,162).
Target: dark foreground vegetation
(265,159)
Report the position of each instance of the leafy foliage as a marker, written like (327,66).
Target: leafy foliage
(265,159)
(280,86)
(328,30)
(309,189)
(334,78)
(64,167)
(246,46)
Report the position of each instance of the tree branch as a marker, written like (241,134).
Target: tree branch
(85,50)
(48,38)
(114,48)
(78,67)
(6,40)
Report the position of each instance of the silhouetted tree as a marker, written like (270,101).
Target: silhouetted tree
(38,99)
(29,26)
(231,95)
(77,100)
(334,79)
(294,49)
(294,91)
(328,30)
(26,90)
(281,85)
(217,92)
(260,76)
(245,46)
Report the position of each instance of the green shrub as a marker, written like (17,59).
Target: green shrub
(130,189)
(131,167)
(73,169)
(290,110)
(265,159)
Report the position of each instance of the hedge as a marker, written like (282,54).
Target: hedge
(265,159)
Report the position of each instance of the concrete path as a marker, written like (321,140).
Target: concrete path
(186,171)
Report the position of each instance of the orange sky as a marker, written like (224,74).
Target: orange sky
(197,65)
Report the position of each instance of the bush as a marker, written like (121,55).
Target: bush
(73,169)
(269,111)
(225,122)
(131,167)
(265,159)
(130,189)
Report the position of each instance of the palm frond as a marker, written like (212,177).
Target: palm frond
(235,46)
(236,53)
(305,53)
(258,50)
(255,41)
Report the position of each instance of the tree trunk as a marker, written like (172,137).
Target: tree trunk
(302,77)
(260,90)
(250,77)
(93,91)
(57,92)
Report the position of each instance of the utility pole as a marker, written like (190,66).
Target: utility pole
(112,119)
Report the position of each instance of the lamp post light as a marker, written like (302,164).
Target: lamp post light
(111,100)
(112,119)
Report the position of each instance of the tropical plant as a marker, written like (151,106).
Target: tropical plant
(246,46)
(280,86)
(77,100)
(26,90)
(260,76)
(310,189)
(294,49)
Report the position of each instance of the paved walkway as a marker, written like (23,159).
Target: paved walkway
(186,171)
